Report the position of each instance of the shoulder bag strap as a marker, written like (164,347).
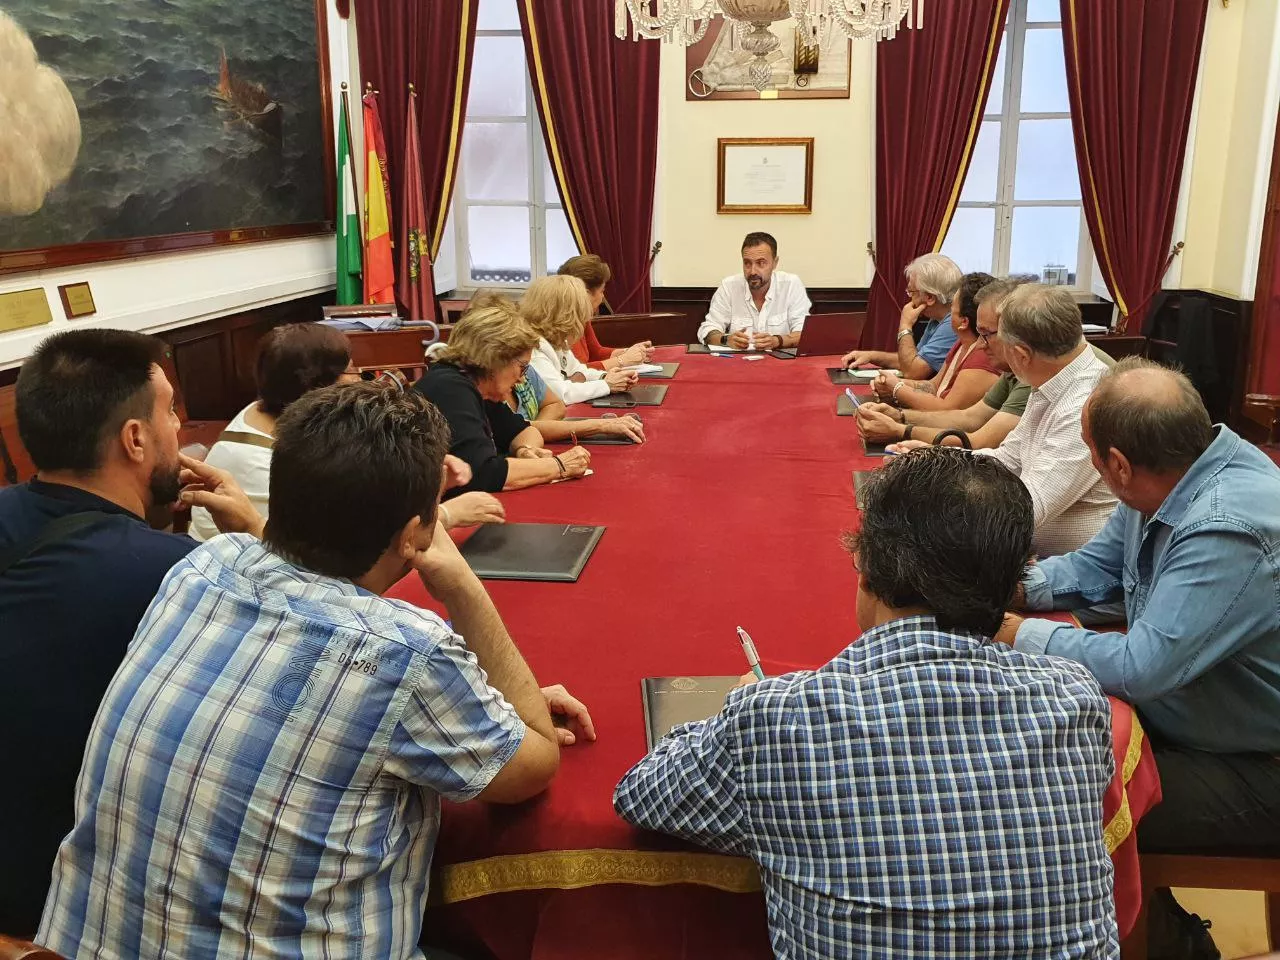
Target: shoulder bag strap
(249,439)
(50,533)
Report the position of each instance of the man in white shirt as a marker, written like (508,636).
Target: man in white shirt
(1038,336)
(763,309)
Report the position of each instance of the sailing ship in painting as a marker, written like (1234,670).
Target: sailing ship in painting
(249,101)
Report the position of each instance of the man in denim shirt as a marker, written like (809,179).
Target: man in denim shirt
(1194,552)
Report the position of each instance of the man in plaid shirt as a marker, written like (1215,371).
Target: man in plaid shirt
(927,793)
(263,777)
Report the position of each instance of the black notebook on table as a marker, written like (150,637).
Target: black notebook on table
(641,395)
(842,377)
(844,406)
(607,439)
(671,701)
(531,551)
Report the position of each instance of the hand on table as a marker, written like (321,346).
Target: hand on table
(738,340)
(876,426)
(636,353)
(472,509)
(856,358)
(622,427)
(1008,631)
(620,380)
(572,722)
(576,460)
(217,491)
(906,446)
(884,384)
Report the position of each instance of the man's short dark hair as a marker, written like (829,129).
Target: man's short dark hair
(757,237)
(352,464)
(78,389)
(1152,414)
(948,531)
(968,296)
(295,359)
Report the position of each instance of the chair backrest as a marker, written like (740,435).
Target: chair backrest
(15,463)
(11,949)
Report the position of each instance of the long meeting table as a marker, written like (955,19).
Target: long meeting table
(731,514)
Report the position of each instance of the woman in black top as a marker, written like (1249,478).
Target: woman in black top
(487,352)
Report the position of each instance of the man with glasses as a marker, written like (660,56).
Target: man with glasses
(932,281)
(986,423)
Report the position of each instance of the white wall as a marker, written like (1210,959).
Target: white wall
(159,292)
(826,247)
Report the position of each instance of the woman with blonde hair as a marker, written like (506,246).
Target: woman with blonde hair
(558,309)
(487,352)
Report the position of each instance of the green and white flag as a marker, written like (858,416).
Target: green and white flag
(350,289)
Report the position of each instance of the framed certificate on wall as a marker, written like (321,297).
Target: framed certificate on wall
(764,175)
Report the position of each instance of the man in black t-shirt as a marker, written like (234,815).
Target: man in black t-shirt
(95,412)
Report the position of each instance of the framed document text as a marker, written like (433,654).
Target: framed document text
(764,175)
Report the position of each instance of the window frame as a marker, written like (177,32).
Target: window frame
(538,203)
(1010,117)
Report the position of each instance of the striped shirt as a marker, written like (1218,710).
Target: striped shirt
(925,794)
(1045,449)
(264,773)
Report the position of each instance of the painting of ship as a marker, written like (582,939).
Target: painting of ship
(249,101)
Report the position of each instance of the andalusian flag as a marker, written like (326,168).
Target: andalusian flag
(379,272)
(348,216)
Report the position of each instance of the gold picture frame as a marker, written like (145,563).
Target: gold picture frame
(764,175)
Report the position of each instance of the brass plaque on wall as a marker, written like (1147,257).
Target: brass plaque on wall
(24,308)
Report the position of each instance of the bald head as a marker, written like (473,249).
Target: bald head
(1151,414)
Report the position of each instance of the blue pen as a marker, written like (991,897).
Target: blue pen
(749,648)
(850,394)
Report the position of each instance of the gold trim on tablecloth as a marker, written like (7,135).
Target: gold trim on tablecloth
(1120,826)
(572,869)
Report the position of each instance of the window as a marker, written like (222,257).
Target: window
(1020,210)
(509,222)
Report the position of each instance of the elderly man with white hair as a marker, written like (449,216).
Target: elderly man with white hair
(932,283)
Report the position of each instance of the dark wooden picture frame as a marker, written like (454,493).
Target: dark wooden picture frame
(723,144)
(40,258)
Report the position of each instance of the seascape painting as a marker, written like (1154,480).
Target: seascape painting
(136,118)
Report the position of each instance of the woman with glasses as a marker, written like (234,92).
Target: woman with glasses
(966,374)
(487,353)
(558,309)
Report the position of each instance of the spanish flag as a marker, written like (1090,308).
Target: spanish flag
(379,271)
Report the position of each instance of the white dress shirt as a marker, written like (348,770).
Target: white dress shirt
(1046,450)
(786,304)
(555,367)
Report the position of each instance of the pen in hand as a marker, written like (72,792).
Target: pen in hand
(749,648)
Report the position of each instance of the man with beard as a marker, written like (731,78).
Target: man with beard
(763,309)
(78,567)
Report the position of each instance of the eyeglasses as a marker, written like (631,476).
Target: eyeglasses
(984,336)
(524,366)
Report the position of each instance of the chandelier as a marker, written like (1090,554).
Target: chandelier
(686,21)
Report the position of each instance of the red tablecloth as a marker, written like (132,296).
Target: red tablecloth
(730,514)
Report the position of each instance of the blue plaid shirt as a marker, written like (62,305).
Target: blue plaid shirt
(924,794)
(264,773)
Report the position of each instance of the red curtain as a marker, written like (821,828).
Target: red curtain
(931,90)
(1131,77)
(598,100)
(429,45)
(1264,355)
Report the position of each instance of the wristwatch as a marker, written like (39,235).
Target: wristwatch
(906,434)
(903,333)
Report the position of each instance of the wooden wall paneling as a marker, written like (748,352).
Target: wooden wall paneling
(203,365)
(1231,322)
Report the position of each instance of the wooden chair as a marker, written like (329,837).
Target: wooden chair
(1208,873)
(11,949)
(402,349)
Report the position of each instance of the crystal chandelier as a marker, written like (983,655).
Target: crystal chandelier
(686,21)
